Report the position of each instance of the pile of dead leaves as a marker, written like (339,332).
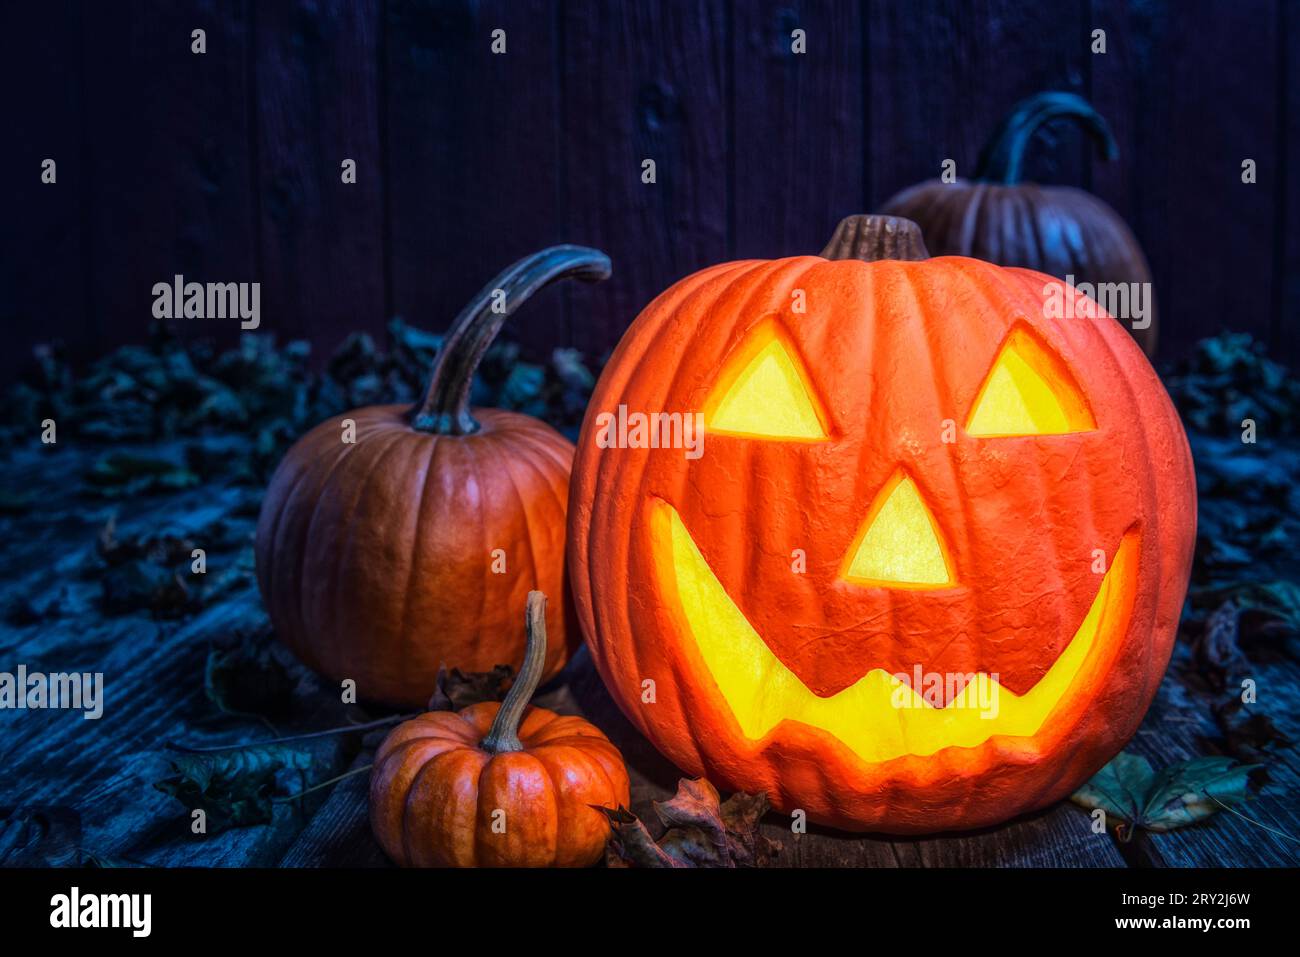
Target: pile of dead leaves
(698,830)
(169,388)
(1227,379)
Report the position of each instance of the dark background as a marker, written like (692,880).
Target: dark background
(226,166)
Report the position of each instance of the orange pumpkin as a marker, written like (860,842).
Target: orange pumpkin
(496,785)
(924,572)
(382,558)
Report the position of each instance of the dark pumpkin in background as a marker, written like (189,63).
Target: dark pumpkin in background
(906,465)
(380,560)
(1059,230)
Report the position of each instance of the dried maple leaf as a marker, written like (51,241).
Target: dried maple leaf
(1132,793)
(1248,734)
(700,830)
(458,689)
(1215,651)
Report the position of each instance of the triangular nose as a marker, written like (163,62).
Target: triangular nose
(900,543)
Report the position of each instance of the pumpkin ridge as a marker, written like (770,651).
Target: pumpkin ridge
(545,451)
(594,787)
(510,766)
(552,785)
(706,295)
(405,731)
(404,636)
(397,816)
(507,466)
(773,283)
(480,638)
(373,470)
(411,808)
(278,551)
(277,521)
(992,276)
(561,507)
(543,733)
(960,546)
(306,552)
(1151,536)
(528,733)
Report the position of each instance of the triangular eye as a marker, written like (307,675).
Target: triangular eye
(1029,391)
(764,393)
(900,543)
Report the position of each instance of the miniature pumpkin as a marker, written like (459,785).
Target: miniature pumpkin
(383,558)
(497,785)
(924,572)
(1058,230)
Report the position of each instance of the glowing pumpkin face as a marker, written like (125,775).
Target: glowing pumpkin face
(927,571)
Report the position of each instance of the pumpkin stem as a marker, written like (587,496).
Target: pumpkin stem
(504,733)
(1002,159)
(873,237)
(445,407)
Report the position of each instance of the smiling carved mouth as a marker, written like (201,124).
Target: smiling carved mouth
(878,717)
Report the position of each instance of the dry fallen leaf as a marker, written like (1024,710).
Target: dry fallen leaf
(700,830)
(458,689)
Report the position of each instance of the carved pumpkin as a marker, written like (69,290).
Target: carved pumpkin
(497,785)
(1058,230)
(382,558)
(926,570)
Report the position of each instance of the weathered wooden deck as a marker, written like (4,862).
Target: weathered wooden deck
(93,780)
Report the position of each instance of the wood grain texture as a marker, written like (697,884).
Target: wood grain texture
(226,166)
(316,85)
(338,835)
(473,155)
(167,160)
(915,120)
(1179,727)
(1286,238)
(642,82)
(102,771)
(43,288)
(1187,113)
(797,150)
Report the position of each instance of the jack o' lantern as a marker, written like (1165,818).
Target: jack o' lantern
(1055,229)
(925,570)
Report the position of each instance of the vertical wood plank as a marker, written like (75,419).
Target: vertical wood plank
(943,73)
(168,174)
(1286,307)
(643,82)
(1192,89)
(797,157)
(473,155)
(316,75)
(42,247)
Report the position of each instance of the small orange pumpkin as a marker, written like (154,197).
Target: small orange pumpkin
(375,557)
(497,785)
